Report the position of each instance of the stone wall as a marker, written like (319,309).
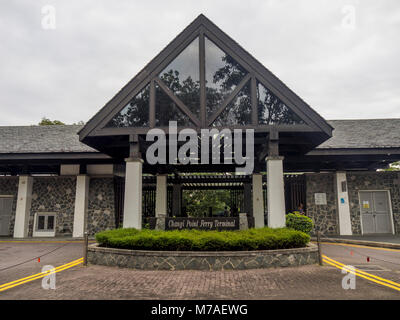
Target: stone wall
(101,209)
(54,194)
(385,180)
(325,217)
(9,187)
(211,261)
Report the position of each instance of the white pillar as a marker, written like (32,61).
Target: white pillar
(161,195)
(133,194)
(23,209)
(81,205)
(258,201)
(343,204)
(276,193)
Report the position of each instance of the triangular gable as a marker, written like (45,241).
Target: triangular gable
(202,32)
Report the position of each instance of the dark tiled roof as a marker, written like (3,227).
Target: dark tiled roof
(41,139)
(348,134)
(371,133)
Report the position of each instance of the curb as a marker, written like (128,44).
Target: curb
(202,260)
(361,242)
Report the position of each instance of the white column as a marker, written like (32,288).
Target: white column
(22,212)
(161,195)
(276,193)
(258,201)
(343,204)
(133,194)
(81,205)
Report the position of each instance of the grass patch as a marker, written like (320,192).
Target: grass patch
(199,240)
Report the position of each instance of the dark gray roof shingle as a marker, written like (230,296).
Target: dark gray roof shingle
(370,133)
(348,134)
(41,139)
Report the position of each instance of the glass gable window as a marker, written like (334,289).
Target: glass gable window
(182,76)
(223,74)
(167,110)
(238,111)
(181,102)
(271,110)
(136,112)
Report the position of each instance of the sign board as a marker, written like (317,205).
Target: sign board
(218,223)
(366,204)
(320,198)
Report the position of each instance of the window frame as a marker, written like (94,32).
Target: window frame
(44,232)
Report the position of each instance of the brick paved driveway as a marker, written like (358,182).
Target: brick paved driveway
(98,282)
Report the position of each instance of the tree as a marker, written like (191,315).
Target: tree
(198,202)
(395,166)
(47,122)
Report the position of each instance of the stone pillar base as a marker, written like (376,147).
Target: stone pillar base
(160,222)
(243,221)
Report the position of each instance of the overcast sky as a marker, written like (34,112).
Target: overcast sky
(344,68)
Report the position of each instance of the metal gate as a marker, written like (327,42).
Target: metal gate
(5,215)
(295,191)
(119,193)
(236,201)
(149,203)
(375,212)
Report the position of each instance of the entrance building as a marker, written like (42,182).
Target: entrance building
(64,180)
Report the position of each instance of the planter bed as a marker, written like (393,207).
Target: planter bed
(205,260)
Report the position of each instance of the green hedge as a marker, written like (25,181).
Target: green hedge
(197,240)
(299,222)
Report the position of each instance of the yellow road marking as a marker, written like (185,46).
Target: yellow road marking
(362,274)
(359,246)
(38,277)
(18,282)
(37,274)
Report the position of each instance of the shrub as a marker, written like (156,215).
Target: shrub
(198,240)
(299,222)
